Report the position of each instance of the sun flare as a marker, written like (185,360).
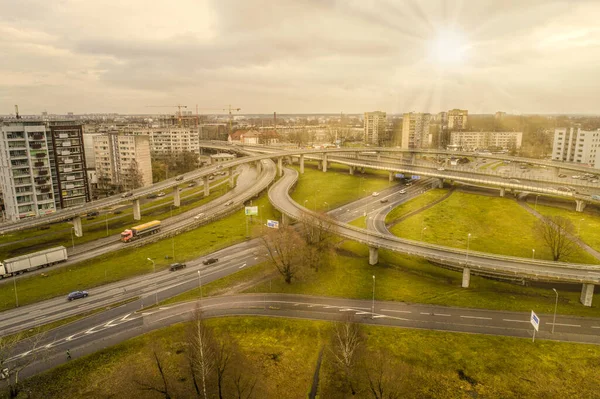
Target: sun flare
(449,48)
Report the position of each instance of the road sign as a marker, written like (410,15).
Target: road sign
(274,224)
(535,321)
(415,177)
(399,175)
(251,210)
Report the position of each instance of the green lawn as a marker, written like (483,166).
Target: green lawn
(587,226)
(127,263)
(282,353)
(416,203)
(61,232)
(336,187)
(497,225)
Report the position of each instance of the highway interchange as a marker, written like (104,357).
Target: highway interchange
(105,328)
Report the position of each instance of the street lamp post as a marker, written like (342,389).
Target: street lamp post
(533,254)
(200,284)
(579,227)
(73,238)
(15,284)
(422,230)
(536,199)
(555,306)
(373,303)
(153,272)
(326,203)
(106,219)
(173,246)
(468,242)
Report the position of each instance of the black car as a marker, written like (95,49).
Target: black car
(209,261)
(176,266)
(383,201)
(180,178)
(77,295)
(150,196)
(93,213)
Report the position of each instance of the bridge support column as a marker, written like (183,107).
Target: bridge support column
(356,155)
(324,162)
(580,205)
(231,178)
(351,170)
(280,166)
(284,220)
(176,197)
(373,255)
(362,170)
(378,156)
(259,166)
(413,158)
(302,163)
(556,171)
(466,277)
(502,191)
(390,176)
(77,226)
(587,294)
(438,183)
(206,186)
(137,213)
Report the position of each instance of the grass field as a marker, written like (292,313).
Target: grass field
(497,225)
(60,233)
(411,205)
(126,263)
(587,226)
(282,353)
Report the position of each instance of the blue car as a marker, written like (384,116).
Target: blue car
(77,295)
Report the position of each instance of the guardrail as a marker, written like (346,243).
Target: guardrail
(453,256)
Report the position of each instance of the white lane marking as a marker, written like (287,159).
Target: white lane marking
(396,311)
(425,313)
(312,306)
(476,317)
(516,321)
(297,304)
(363,313)
(242,266)
(565,325)
(347,310)
(379,316)
(331,307)
(595,326)
(256,258)
(442,314)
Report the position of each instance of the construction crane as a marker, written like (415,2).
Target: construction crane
(178,106)
(229,109)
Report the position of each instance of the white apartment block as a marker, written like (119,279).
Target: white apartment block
(457,119)
(375,127)
(470,141)
(415,130)
(170,140)
(25,174)
(576,145)
(115,156)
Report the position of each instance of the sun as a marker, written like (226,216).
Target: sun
(449,48)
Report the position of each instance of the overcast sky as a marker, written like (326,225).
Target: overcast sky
(300,56)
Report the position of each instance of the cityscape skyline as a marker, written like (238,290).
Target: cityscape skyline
(300,57)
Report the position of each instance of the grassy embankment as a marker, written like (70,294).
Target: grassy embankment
(282,353)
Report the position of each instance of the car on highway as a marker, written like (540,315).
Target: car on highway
(77,295)
(562,176)
(180,178)
(176,266)
(93,213)
(153,195)
(515,181)
(576,177)
(219,166)
(198,216)
(594,181)
(192,184)
(383,201)
(161,194)
(408,184)
(375,194)
(211,177)
(402,191)
(441,169)
(229,203)
(126,195)
(209,261)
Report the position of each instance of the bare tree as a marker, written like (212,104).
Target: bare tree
(222,358)
(202,355)
(243,383)
(383,377)
(346,344)
(164,389)
(284,247)
(556,231)
(134,178)
(318,233)
(12,363)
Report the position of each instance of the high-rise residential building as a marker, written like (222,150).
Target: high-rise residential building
(499,115)
(375,127)
(170,140)
(415,130)
(122,161)
(457,119)
(576,145)
(469,141)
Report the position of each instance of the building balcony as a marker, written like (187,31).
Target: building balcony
(37,136)
(42,173)
(39,164)
(15,136)
(40,155)
(35,146)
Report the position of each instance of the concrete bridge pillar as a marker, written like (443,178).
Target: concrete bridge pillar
(206,186)
(280,166)
(580,205)
(587,294)
(390,176)
(78,230)
(556,171)
(137,213)
(351,170)
(466,277)
(284,220)
(231,178)
(176,197)
(373,255)
(502,191)
(324,162)
(378,156)
(362,170)
(302,163)
(259,166)
(413,158)
(356,155)
(438,183)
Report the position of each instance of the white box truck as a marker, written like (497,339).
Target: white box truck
(23,263)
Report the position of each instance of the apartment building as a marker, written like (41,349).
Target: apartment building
(576,145)
(122,161)
(457,119)
(415,130)
(375,127)
(173,140)
(470,141)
